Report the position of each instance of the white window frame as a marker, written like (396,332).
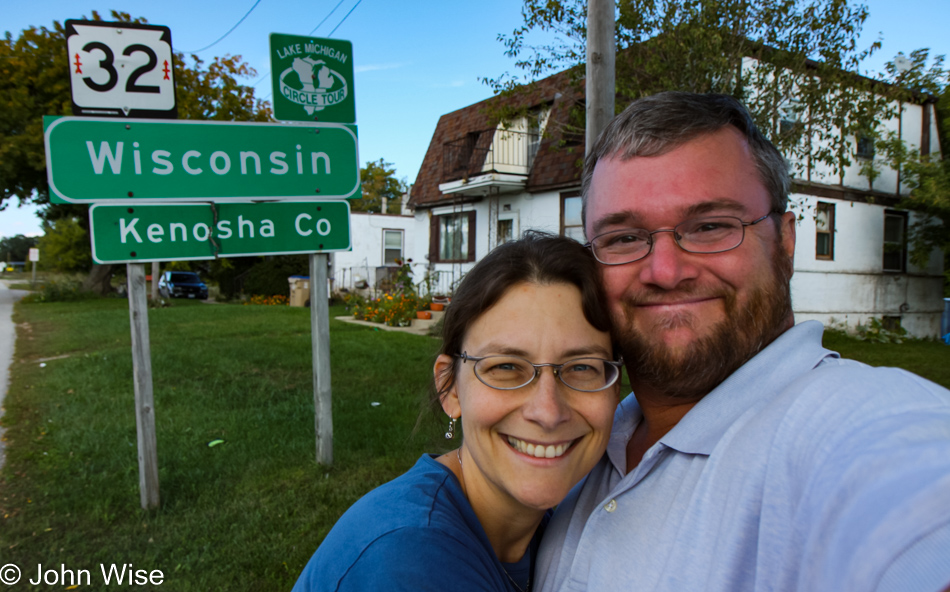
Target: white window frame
(830,230)
(402,245)
(564,227)
(902,268)
(515,226)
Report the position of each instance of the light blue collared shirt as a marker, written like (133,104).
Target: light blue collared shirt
(801,471)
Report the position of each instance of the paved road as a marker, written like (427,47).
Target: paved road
(7,339)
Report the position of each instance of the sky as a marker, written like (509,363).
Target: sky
(415,60)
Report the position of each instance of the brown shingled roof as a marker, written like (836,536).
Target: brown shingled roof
(557,163)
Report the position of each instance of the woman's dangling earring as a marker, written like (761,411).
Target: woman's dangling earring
(451,433)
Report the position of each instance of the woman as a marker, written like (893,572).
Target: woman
(527,365)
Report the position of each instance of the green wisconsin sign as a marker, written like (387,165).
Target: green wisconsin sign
(312,78)
(95,160)
(174,232)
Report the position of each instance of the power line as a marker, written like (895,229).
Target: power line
(326,17)
(231,30)
(261,79)
(344,18)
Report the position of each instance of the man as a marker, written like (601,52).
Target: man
(748,457)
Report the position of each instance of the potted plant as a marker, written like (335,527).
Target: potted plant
(422,308)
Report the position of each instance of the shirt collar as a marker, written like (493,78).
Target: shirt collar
(754,384)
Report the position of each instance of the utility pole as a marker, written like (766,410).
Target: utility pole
(601,59)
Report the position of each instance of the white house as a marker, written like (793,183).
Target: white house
(378,242)
(482,184)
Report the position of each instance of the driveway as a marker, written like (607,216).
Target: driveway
(7,339)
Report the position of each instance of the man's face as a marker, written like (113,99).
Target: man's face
(688,320)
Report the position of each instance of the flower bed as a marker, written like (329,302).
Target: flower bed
(278,300)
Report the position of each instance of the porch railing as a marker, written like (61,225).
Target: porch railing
(489,151)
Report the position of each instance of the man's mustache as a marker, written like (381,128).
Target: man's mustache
(648,296)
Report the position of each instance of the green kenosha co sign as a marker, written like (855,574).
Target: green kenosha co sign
(130,233)
(313,79)
(96,160)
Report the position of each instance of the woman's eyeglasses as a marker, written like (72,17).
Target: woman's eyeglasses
(507,373)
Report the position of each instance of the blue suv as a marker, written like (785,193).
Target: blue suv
(182,284)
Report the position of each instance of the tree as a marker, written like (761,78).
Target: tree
(379,182)
(65,246)
(926,175)
(34,82)
(16,248)
(801,85)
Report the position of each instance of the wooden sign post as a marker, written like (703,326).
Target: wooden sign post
(142,375)
(320,331)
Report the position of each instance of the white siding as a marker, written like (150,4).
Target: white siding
(366,254)
(853,287)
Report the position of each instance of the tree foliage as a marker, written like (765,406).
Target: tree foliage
(928,178)
(926,174)
(16,248)
(64,246)
(792,62)
(795,63)
(379,181)
(34,81)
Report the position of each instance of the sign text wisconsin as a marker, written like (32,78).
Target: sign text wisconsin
(96,160)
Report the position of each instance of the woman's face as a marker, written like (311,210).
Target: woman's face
(543,324)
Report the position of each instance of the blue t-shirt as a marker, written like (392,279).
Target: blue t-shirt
(417,533)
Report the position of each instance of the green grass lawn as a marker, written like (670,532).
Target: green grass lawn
(246,514)
(930,359)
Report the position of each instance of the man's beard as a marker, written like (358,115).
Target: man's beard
(693,371)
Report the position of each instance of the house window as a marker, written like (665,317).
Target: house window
(506,231)
(895,241)
(392,246)
(825,231)
(452,238)
(865,147)
(507,228)
(571,224)
(891,323)
(536,121)
(790,117)
(787,127)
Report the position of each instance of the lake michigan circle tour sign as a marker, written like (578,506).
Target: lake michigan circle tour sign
(312,79)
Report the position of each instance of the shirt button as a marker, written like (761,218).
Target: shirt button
(611,506)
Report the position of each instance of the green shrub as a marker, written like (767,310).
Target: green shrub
(873,332)
(60,290)
(876,332)
(269,277)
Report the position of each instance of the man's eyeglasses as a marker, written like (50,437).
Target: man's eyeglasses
(714,234)
(508,373)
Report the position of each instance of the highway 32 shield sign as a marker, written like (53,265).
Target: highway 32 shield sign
(121,69)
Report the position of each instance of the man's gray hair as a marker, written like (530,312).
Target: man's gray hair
(657,124)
